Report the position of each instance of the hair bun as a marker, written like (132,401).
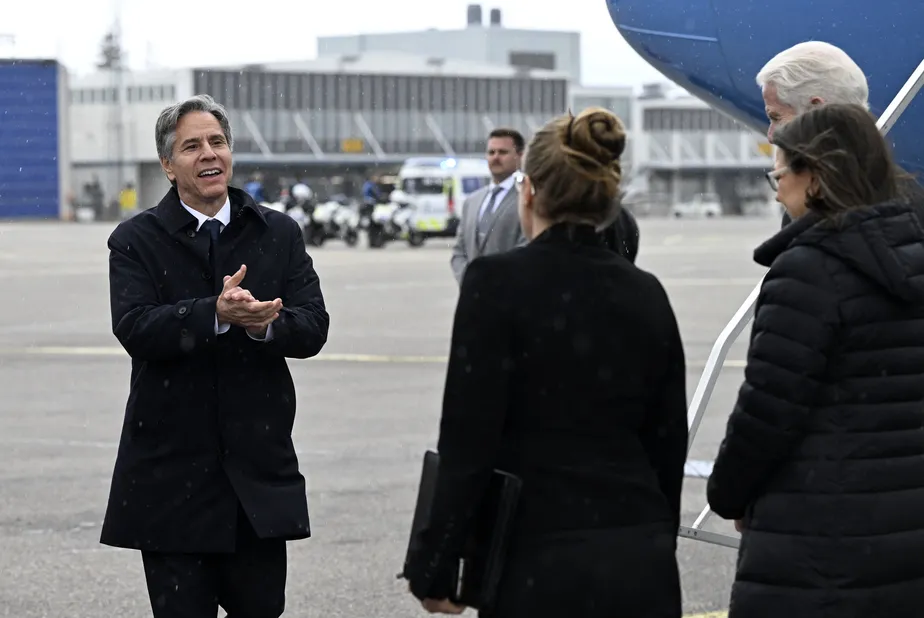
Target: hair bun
(573,164)
(599,134)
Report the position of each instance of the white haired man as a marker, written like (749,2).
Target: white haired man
(805,75)
(815,73)
(809,74)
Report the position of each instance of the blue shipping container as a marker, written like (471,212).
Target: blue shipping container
(30,136)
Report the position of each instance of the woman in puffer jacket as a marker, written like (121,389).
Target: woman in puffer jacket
(822,465)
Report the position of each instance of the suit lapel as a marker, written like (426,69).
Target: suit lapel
(471,212)
(509,198)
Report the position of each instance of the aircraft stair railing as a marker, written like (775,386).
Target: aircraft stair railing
(732,330)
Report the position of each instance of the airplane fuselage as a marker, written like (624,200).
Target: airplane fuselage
(714,49)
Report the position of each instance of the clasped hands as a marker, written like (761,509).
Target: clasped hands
(440,606)
(237,306)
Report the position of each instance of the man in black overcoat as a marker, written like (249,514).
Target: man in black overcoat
(622,235)
(210,293)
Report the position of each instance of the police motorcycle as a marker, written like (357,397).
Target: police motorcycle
(280,204)
(316,220)
(387,221)
(277,206)
(299,205)
(338,219)
(401,220)
(345,220)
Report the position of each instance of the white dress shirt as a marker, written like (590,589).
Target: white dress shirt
(505,186)
(223,216)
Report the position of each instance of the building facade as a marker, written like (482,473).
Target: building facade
(356,112)
(683,149)
(112,131)
(484,40)
(324,116)
(363,109)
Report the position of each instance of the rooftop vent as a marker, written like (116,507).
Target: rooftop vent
(652,91)
(495,17)
(474,15)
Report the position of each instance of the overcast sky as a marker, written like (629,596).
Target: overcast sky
(172,33)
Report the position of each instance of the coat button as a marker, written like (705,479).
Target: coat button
(184,332)
(206,275)
(191,233)
(182,311)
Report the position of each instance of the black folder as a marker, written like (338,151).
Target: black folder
(477,572)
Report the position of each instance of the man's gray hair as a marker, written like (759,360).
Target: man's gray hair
(165,129)
(815,69)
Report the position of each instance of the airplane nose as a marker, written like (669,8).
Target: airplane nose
(677,37)
(677,20)
(715,48)
(680,38)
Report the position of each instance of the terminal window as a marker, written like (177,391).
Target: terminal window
(533,60)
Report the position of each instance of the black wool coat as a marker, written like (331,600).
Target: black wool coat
(208,422)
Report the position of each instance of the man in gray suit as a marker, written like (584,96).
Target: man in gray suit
(490,221)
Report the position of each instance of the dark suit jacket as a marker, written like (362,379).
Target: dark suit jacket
(622,235)
(567,369)
(209,417)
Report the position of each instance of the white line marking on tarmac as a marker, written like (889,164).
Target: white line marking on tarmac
(402,285)
(667,281)
(718,282)
(330,358)
(96,444)
(59,442)
(27,273)
(112,550)
(673,239)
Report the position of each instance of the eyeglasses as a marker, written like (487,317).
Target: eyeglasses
(774,177)
(518,178)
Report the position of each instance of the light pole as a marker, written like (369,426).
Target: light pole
(9,40)
(118,81)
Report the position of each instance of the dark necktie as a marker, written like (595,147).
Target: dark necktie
(487,217)
(213,228)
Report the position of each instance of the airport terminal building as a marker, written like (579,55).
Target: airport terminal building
(368,102)
(331,115)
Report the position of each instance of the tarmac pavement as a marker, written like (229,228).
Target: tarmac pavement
(368,408)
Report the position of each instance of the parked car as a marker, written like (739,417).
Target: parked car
(705,205)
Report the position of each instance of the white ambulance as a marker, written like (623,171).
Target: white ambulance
(436,188)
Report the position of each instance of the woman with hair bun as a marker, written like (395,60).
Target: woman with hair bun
(567,370)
